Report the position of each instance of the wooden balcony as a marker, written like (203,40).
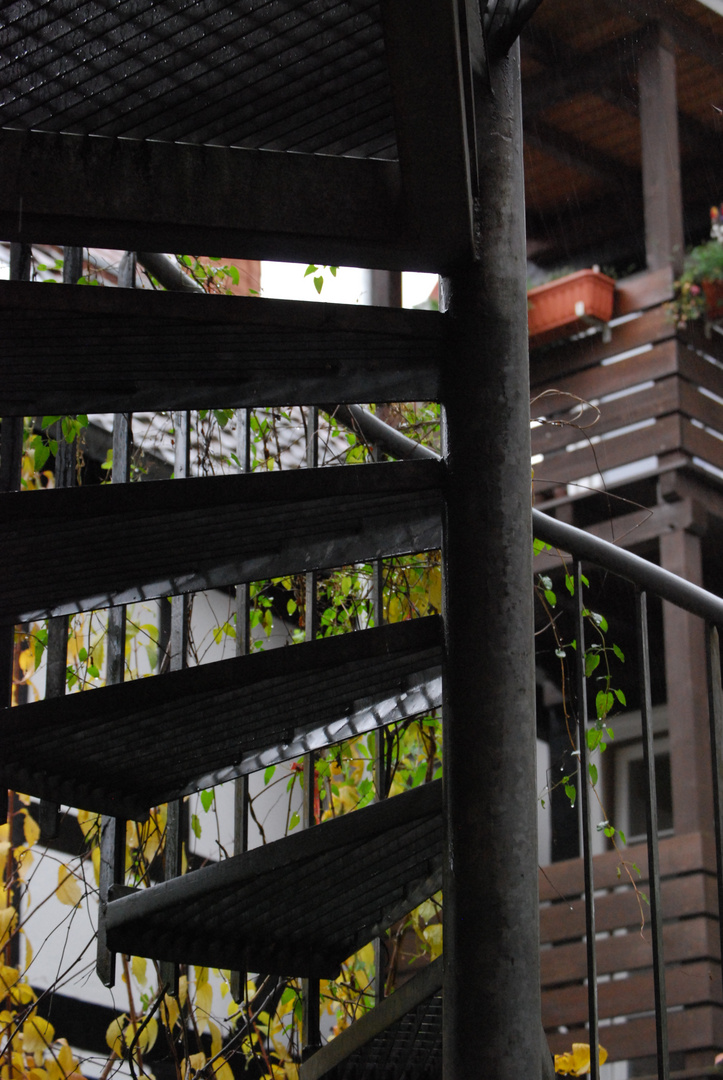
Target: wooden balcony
(659,390)
(624,951)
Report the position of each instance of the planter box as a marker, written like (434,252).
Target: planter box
(714,299)
(569,305)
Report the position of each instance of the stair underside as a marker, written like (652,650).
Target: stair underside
(299,906)
(301,75)
(122,749)
(161,539)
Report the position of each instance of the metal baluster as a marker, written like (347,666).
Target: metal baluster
(651,810)
(243,648)
(112,844)
(127,270)
(386,291)
(581,690)
(180,609)
(715,712)
(57,649)
(72,265)
(310,1033)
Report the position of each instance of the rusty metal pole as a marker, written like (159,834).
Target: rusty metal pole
(491,938)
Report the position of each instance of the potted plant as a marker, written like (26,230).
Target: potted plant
(699,289)
(567,305)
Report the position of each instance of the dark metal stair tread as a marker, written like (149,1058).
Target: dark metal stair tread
(179,536)
(129,351)
(401,1037)
(122,749)
(300,905)
(303,75)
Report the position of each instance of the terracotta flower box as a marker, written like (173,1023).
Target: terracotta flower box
(714,299)
(569,305)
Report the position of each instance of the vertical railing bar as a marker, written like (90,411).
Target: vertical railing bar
(180,608)
(127,270)
(310,1021)
(381,783)
(112,845)
(72,265)
(21,257)
(581,693)
(243,648)
(651,808)
(57,645)
(715,714)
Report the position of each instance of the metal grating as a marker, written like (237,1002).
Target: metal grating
(299,906)
(203,726)
(302,75)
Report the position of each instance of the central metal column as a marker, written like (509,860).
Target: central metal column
(491,936)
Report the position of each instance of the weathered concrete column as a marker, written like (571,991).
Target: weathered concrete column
(491,938)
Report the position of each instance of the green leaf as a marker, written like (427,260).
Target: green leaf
(207,798)
(319,283)
(619,653)
(333,270)
(609,832)
(550,597)
(268,773)
(620,696)
(294,821)
(592,659)
(571,793)
(569,583)
(600,621)
(593,738)
(621,834)
(48,421)
(311,269)
(592,769)
(196,826)
(603,703)
(93,671)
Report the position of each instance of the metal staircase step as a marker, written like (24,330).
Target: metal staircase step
(298,906)
(158,539)
(400,1038)
(193,729)
(111,350)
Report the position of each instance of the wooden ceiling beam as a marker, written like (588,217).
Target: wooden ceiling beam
(688,34)
(578,155)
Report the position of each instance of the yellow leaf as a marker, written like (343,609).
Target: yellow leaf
(31,829)
(8,916)
(192,1064)
(433,937)
(95,856)
(222,1070)
(114,1035)
(23,994)
(201,975)
(216,1041)
(434,580)
(577,1063)
(172,1012)
(204,1002)
(148,1035)
(68,891)
(4,852)
(89,823)
(138,967)
(37,1035)
(28,950)
(8,977)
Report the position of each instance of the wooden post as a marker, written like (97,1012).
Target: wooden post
(491,936)
(660,150)
(685,675)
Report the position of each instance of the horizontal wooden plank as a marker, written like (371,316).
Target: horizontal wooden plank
(692,1029)
(687,984)
(559,431)
(683,854)
(550,365)
(698,370)
(682,897)
(689,939)
(115,350)
(232,717)
(179,536)
(598,381)
(704,338)
(663,437)
(254,204)
(642,291)
(635,529)
(298,906)
(702,444)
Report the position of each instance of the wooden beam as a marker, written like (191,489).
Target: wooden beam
(428,94)
(125,194)
(663,202)
(688,34)
(111,350)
